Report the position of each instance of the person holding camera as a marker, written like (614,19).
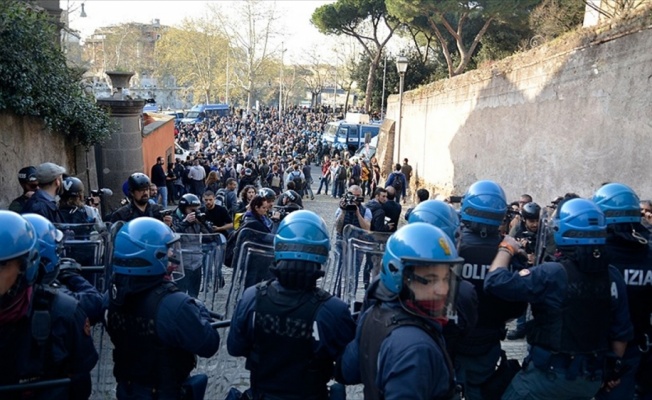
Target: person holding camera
(352,212)
(138,206)
(186,219)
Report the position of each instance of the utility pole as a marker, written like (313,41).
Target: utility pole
(280,87)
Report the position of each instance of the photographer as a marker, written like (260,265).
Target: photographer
(352,212)
(138,187)
(288,202)
(526,234)
(217,215)
(187,220)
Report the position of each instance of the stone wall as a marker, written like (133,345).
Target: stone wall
(564,117)
(24,141)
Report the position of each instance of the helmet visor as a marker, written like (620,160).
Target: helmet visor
(175,262)
(432,290)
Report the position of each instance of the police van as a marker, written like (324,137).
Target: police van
(350,133)
(201,112)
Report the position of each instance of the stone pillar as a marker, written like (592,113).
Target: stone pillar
(122,154)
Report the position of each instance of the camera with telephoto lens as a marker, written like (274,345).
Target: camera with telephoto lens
(530,242)
(350,201)
(201,217)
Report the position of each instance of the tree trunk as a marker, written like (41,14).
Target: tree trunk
(373,66)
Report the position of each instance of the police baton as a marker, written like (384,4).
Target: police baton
(38,385)
(215,315)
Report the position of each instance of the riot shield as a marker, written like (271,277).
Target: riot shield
(332,279)
(363,253)
(89,245)
(253,256)
(202,257)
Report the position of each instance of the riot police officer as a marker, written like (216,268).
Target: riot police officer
(399,351)
(139,206)
(443,216)
(63,274)
(44,333)
(581,320)
(628,247)
(482,211)
(154,363)
(298,330)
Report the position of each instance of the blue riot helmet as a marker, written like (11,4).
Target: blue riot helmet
(484,203)
(49,245)
(437,213)
(301,246)
(415,244)
(147,247)
(414,257)
(19,241)
(619,203)
(302,235)
(580,223)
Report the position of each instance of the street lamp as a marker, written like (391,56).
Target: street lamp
(401,66)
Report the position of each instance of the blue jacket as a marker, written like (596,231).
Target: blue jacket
(42,203)
(410,364)
(546,284)
(335,326)
(72,351)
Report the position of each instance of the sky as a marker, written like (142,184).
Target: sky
(298,33)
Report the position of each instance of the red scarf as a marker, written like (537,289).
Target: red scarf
(17,310)
(427,309)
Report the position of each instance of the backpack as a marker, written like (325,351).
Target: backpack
(296,178)
(397,183)
(220,198)
(276,181)
(341,174)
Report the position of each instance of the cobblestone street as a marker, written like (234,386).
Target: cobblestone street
(223,370)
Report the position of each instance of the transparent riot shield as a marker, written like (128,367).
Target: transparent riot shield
(89,246)
(332,279)
(363,253)
(202,257)
(253,256)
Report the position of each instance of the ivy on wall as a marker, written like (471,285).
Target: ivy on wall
(35,80)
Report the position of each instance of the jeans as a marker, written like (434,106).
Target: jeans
(307,189)
(163,194)
(324,182)
(366,188)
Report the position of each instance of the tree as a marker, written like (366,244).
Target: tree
(35,80)
(365,20)
(449,18)
(195,54)
(418,73)
(551,18)
(249,26)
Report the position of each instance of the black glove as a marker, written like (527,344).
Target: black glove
(613,368)
(67,269)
